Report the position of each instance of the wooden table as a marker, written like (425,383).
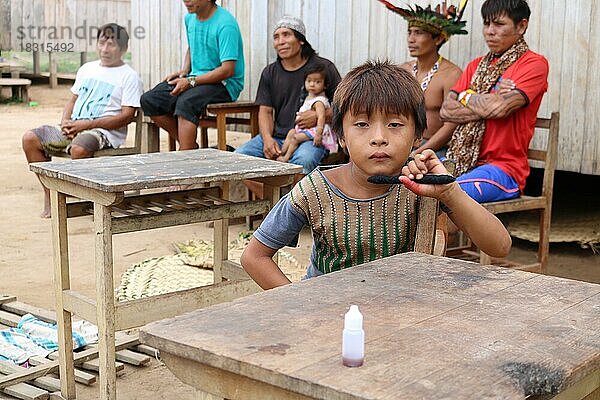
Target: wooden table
(435,328)
(104,181)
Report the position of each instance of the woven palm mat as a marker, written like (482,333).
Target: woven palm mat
(191,267)
(580,226)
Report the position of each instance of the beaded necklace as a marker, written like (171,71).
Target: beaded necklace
(429,76)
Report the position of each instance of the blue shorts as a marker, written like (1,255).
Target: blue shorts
(307,154)
(488,183)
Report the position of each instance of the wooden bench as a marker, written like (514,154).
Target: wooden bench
(143,142)
(218,116)
(20,87)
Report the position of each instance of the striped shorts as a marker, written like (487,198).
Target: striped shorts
(52,139)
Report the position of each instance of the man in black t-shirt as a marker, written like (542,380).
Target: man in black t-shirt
(280,95)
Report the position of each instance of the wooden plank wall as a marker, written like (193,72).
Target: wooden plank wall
(350,31)
(71,19)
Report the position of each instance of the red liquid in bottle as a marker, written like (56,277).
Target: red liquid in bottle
(352,362)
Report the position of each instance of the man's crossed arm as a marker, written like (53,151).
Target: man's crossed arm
(482,106)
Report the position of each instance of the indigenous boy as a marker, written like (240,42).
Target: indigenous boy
(428,30)
(496,101)
(379,111)
(104,98)
(213,72)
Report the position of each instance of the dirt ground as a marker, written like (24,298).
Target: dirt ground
(26,255)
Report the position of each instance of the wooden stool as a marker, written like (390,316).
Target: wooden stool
(20,87)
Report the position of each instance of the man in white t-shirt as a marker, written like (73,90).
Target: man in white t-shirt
(104,98)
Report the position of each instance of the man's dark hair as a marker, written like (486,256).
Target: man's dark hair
(517,10)
(379,86)
(116,32)
(317,69)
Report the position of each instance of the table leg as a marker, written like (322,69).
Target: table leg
(105,302)
(62,282)
(221,240)
(221,131)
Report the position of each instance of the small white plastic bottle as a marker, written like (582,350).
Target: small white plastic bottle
(353,338)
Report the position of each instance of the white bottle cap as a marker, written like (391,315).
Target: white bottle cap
(353,319)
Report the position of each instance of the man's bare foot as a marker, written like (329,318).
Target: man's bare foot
(46,212)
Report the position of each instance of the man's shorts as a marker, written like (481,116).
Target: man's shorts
(53,140)
(189,104)
(488,183)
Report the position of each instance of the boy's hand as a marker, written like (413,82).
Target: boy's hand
(424,163)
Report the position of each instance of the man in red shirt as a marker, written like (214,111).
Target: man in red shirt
(496,101)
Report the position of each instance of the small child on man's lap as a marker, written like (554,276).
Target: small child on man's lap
(315,83)
(379,111)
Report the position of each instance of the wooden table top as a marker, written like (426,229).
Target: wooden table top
(435,328)
(155,170)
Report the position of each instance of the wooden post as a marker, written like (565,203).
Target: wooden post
(53,68)
(151,138)
(221,239)
(62,282)
(36,62)
(82,58)
(105,302)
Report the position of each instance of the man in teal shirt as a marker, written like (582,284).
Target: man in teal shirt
(213,72)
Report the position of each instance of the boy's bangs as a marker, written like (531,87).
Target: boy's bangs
(388,96)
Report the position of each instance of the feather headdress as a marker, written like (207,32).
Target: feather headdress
(443,20)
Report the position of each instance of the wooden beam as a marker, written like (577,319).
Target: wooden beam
(136,313)
(80,305)
(16,307)
(103,198)
(44,382)
(80,376)
(41,370)
(188,216)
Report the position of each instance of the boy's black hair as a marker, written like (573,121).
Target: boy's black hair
(318,68)
(115,31)
(379,86)
(517,10)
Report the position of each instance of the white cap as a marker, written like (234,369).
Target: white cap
(353,319)
(287,21)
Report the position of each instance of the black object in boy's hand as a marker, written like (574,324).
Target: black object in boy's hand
(428,179)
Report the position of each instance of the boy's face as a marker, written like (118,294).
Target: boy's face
(314,83)
(378,144)
(109,51)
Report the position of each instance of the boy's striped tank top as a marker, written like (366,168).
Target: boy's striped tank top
(350,232)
